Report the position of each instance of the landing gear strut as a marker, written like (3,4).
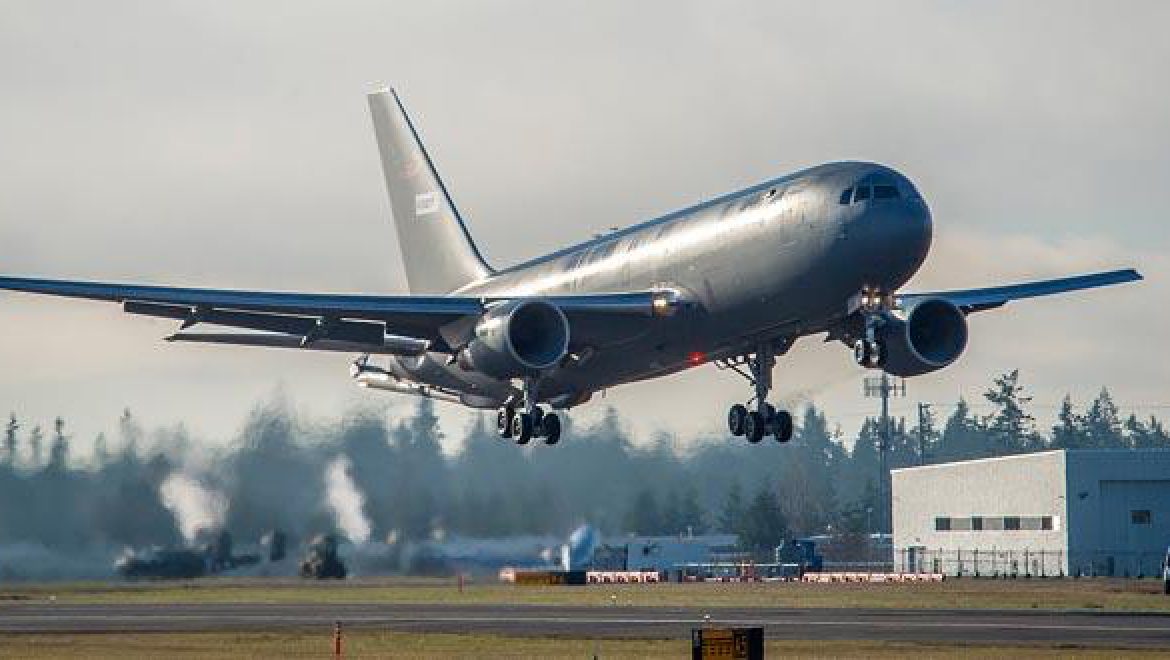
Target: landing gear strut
(529,422)
(765,419)
(869,352)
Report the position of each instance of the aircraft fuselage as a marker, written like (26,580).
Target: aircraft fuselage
(778,260)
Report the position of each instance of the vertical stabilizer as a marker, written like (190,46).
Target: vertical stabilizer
(437,250)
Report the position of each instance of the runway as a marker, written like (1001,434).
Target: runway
(943,626)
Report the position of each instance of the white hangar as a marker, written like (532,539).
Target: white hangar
(1062,512)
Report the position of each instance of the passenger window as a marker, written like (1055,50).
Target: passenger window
(861,194)
(846,196)
(885,192)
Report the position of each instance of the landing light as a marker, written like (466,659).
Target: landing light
(696,357)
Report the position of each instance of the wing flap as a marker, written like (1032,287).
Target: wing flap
(390,344)
(975,300)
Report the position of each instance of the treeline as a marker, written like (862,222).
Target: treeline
(273,475)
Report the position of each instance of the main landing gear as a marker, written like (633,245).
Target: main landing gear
(529,422)
(765,419)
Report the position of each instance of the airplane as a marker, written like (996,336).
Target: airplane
(733,281)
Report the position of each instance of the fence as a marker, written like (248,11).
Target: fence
(1027,562)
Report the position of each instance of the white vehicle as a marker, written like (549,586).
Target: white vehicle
(1166,573)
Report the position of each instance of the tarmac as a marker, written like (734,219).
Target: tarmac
(1064,628)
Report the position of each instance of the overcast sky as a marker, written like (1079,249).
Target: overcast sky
(228,144)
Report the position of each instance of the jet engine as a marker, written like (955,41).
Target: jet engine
(933,335)
(517,338)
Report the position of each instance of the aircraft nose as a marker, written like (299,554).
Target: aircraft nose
(917,232)
(893,240)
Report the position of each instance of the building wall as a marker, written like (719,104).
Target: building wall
(1119,509)
(1028,489)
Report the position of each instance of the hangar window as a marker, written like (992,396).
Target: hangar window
(942,524)
(1139,517)
(885,192)
(861,194)
(1011,522)
(977,523)
(1046,523)
(846,196)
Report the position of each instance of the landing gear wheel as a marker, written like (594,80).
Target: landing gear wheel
(768,413)
(522,428)
(869,354)
(782,426)
(504,421)
(550,428)
(735,419)
(753,427)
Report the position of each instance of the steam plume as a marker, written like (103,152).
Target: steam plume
(346,501)
(196,507)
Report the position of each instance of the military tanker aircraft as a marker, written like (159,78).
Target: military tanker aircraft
(732,281)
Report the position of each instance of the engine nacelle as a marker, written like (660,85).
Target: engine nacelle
(933,335)
(516,339)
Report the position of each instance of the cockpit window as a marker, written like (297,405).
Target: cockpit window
(861,194)
(885,192)
(846,196)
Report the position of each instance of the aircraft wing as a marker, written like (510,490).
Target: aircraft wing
(391,322)
(977,300)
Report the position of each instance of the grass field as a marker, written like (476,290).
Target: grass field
(368,644)
(1094,594)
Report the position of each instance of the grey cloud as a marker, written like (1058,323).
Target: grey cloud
(227,144)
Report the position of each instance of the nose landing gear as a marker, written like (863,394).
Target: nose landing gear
(765,419)
(869,351)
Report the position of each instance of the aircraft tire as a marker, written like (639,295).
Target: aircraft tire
(769,413)
(550,428)
(753,427)
(735,419)
(522,428)
(782,426)
(504,422)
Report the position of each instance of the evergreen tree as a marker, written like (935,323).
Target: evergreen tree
(10,440)
(691,512)
(130,433)
(1068,432)
(961,438)
(1011,427)
(36,443)
(924,436)
(764,526)
(101,450)
(1102,423)
(672,516)
(1157,434)
(731,517)
(862,467)
(808,476)
(1136,433)
(644,518)
(59,448)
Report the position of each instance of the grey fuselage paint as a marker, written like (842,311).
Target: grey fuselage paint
(776,261)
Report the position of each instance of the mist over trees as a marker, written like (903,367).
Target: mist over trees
(272,475)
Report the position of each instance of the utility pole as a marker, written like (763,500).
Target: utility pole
(923,413)
(884,388)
